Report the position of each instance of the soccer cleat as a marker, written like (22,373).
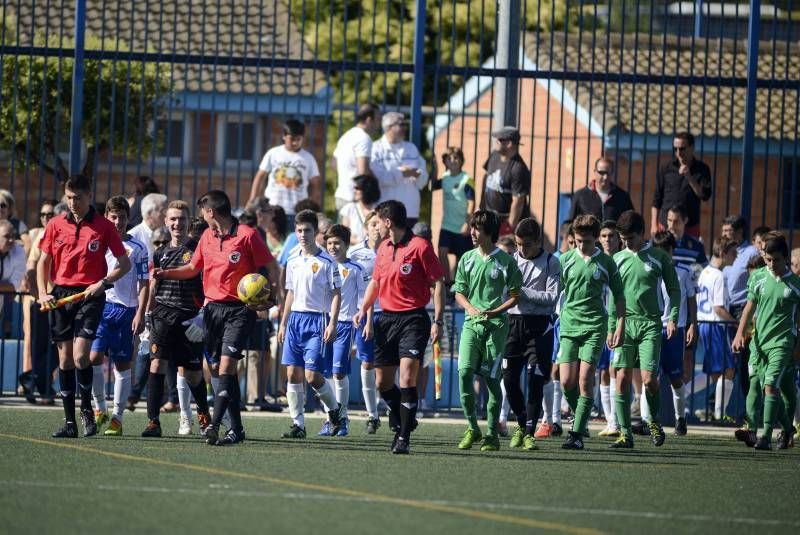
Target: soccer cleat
(622,443)
(502,429)
(748,436)
(336,416)
(680,427)
(786,440)
(529,443)
(203,422)
(114,428)
(471,436)
(491,443)
(401,447)
(344,428)
(100,418)
(574,441)
(89,425)
(516,438)
(557,430)
(763,443)
(153,430)
(185,426)
(231,437)
(212,435)
(657,434)
(544,431)
(610,432)
(727,421)
(68,430)
(372,425)
(325,431)
(131,406)
(641,428)
(295,432)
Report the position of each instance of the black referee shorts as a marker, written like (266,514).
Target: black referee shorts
(401,335)
(228,327)
(168,339)
(531,337)
(76,320)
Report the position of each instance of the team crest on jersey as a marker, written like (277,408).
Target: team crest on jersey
(94,246)
(648,266)
(596,274)
(186,257)
(787,293)
(405,269)
(345,271)
(235,257)
(495,273)
(314,268)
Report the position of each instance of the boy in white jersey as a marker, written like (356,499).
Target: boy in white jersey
(672,349)
(354,284)
(364,254)
(309,322)
(712,310)
(123,317)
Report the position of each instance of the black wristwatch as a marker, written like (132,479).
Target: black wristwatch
(107,284)
(440,323)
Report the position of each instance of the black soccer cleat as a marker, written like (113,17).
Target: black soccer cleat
(372,425)
(680,427)
(786,440)
(231,437)
(212,435)
(763,443)
(574,441)
(641,428)
(556,430)
(657,434)
(68,430)
(401,447)
(89,424)
(336,416)
(153,430)
(295,431)
(748,436)
(622,443)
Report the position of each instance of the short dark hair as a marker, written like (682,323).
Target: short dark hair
(118,203)
(586,224)
(147,185)
(566,228)
(197,226)
(776,243)
(736,222)
(528,228)
(293,127)
(507,240)
(630,222)
(452,151)
(664,239)
(366,111)
(687,137)
(370,188)
(394,211)
(216,200)
(278,214)
(608,224)
(755,262)
(722,246)
(249,219)
(760,231)
(307,216)
(487,221)
(78,183)
(306,204)
(680,209)
(338,231)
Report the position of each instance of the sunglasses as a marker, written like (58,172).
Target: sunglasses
(679,149)
(47,214)
(602,173)
(160,243)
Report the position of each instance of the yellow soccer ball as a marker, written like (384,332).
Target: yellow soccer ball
(253,290)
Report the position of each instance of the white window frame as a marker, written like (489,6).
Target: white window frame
(188,119)
(233,117)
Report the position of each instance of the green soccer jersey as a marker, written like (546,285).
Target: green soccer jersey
(482,280)
(642,273)
(583,281)
(777,300)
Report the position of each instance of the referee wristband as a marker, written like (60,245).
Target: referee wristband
(440,323)
(107,284)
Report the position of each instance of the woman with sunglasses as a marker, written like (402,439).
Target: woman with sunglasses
(7,205)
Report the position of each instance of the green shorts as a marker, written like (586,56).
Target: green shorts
(481,347)
(642,346)
(586,345)
(771,364)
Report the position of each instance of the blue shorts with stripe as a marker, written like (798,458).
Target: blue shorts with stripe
(556,343)
(672,352)
(337,354)
(303,345)
(365,349)
(115,332)
(716,344)
(605,358)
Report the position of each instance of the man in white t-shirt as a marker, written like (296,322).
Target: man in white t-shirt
(352,154)
(398,166)
(154,209)
(289,172)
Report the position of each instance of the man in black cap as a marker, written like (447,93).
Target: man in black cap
(508,180)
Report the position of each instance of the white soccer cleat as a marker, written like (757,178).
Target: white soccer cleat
(185,426)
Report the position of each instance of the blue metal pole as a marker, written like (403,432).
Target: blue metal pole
(750,109)
(698,18)
(77,90)
(419,74)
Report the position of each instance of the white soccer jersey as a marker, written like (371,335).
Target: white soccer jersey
(688,289)
(354,284)
(365,257)
(125,291)
(711,292)
(312,279)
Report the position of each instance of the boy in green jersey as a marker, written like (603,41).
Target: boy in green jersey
(585,273)
(773,295)
(484,277)
(642,267)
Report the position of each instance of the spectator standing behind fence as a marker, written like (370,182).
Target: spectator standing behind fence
(508,180)
(458,202)
(8,212)
(289,172)
(734,228)
(154,209)
(144,186)
(12,263)
(352,153)
(353,215)
(684,180)
(601,197)
(398,166)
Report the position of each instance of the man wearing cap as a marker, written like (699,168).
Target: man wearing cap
(398,166)
(508,180)
(601,197)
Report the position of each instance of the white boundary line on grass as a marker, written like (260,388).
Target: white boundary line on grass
(228,491)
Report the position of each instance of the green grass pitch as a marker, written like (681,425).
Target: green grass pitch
(325,485)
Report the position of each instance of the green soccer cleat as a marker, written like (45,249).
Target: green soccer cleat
(491,443)
(471,436)
(114,429)
(517,438)
(622,443)
(100,419)
(657,434)
(295,432)
(529,443)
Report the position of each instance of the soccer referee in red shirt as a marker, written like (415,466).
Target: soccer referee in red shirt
(74,258)
(405,269)
(226,252)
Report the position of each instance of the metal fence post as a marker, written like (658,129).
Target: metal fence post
(750,109)
(419,73)
(76,119)
(508,37)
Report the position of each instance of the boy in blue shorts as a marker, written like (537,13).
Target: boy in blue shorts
(123,317)
(354,284)
(309,323)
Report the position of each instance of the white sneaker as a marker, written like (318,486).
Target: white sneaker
(185,427)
